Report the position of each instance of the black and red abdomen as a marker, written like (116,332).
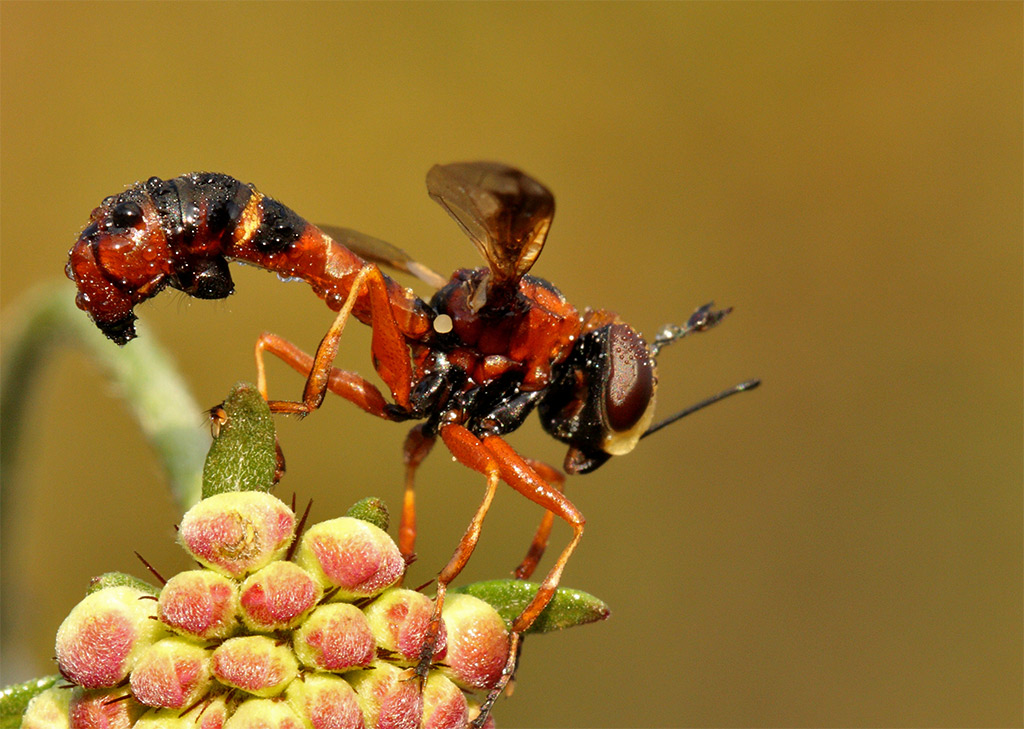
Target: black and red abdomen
(527,330)
(182,232)
(156,233)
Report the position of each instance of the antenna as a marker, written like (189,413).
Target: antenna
(700,321)
(742,387)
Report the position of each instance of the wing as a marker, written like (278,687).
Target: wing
(376,250)
(506,213)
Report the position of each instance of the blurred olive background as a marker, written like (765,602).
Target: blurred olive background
(842,547)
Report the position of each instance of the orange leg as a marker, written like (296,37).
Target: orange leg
(390,354)
(496,459)
(518,474)
(345,384)
(469,450)
(540,540)
(417,447)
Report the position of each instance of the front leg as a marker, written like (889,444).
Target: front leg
(494,458)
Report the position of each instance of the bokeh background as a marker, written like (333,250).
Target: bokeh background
(842,547)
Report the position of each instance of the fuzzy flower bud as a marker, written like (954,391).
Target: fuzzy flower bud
(48,710)
(263,714)
(478,642)
(199,603)
(335,637)
(444,705)
(172,673)
(400,619)
(356,557)
(388,698)
(238,532)
(106,709)
(277,597)
(209,714)
(100,640)
(256,664)
(325,701)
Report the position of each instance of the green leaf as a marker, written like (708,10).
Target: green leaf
(121,579)
(243,456)
(14,699)
(373,510)
(567,608)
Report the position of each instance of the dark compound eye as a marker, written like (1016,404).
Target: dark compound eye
(125,215)
(630,378)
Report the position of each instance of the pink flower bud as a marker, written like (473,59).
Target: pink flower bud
(256,664)
(237,533)
(208,714)
(103,635)
(335,637)
(400,619)
(47,710)
(388,698)
(163,719)
(478,642)
(106,709)
(172,673)
(326,702)
(278,596)
(444,704)
(357,557)
(199,603)
(263,714)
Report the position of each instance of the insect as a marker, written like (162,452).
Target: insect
(492,345)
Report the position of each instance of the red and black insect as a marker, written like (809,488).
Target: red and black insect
(490,347)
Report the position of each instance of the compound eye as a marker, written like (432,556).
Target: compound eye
(630,385)
(124,216)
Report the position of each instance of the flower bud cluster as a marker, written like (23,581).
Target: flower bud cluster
(324,640)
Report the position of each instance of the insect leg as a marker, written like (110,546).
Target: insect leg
(540,540)
(417,447)
(518,474)
(345,384)
(320,369)
(495,458)
(389,347)
(470,451)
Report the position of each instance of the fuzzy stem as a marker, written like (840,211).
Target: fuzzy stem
(145,375)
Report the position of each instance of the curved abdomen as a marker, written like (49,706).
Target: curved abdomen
(182,232)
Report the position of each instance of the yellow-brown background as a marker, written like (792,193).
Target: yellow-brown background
(842,547)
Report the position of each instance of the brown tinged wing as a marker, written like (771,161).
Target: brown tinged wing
(376,250)
(505,212)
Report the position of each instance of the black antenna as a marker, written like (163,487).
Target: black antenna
(742,387)
(700,321)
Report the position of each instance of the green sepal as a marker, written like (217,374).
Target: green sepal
(372,510)
(243,456)
(14,699)
(121,579)
(567,609)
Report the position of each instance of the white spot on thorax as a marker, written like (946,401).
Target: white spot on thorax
(443,324)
